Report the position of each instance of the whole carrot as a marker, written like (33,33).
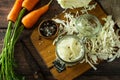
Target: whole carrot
(12,16)
(14,12)
(29,4)
(30,19)
(12,34)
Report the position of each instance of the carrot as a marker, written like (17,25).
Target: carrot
(12,16)
(12,34)
(29,4)
(30,19)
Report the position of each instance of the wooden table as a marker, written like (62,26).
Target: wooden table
(106,71)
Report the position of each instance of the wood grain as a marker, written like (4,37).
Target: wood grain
(105,71)
(46,49)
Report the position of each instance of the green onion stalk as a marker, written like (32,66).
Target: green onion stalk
(7,62)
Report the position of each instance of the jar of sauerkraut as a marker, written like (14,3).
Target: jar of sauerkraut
(69,50)
(88,25)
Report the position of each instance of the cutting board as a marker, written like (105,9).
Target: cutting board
(46,49)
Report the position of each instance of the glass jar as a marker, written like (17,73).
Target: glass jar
(69,50)
(88,25)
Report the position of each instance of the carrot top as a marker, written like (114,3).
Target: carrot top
(13,32)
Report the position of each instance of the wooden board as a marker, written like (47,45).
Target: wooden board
(47,50)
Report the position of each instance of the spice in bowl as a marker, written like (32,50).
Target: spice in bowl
(48,29)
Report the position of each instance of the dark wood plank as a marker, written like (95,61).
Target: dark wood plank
(104,69)
(98,78)
(5,6)
(2,33)
(45,71)
(111,7)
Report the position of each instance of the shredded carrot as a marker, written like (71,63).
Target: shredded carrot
(30,19)
(29,4)
(12,16)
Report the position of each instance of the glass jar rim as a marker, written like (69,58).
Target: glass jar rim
(89,17)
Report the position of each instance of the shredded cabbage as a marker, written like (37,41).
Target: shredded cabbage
(69,49)
(104,46)
(88,8)
(73,3)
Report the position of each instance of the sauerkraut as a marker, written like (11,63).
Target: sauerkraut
(104,46)
(69,49)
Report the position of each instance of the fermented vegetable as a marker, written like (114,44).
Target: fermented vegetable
(70,49)
(103,46)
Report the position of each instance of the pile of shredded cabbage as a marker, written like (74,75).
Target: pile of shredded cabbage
(73,3)
(104,46)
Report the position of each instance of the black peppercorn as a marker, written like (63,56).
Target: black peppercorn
(48,28)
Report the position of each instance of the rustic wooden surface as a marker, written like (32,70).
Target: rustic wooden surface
(46,49)
(106,71)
